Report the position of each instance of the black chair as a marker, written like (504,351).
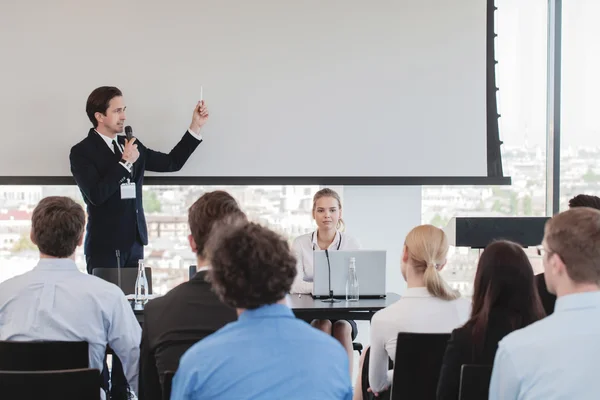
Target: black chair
(475,382)
(167,384)
(417,367)
(43,356)
(192,271)
(128,277)
(357,346)
(73,384)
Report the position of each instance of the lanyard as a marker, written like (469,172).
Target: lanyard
(312,239)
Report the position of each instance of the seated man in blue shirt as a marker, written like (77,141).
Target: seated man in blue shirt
(557,357)
(549,299)
(267,353)
(56,301)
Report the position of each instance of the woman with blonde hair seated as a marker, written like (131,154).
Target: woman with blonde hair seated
(428,305)
(329,235)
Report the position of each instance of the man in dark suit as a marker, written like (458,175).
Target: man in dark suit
(189,312)
(109,171)
(548,298)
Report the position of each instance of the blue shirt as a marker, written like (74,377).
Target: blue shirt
(55,301)
(266,354)
(554,358)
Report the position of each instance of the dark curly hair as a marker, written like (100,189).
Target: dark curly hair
(211,207)
(585,200)
(251,265)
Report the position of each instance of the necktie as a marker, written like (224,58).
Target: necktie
(116,149)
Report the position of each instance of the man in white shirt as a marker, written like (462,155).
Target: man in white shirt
(55,301)
(557,357)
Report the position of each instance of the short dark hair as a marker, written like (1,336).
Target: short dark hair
(208,209)
(57,226)
(99,100)
(575,236)
(251,265)
(585,200)
(504,280)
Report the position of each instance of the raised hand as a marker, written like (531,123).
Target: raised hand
(199,117)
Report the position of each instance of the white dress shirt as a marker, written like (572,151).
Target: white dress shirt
(417,311)
(304,247)
(554,358)
(55,301)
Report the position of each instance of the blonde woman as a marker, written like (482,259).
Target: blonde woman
(428,305)
(327,213)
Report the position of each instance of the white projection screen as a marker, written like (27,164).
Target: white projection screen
(351,89)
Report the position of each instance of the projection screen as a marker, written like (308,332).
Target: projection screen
(347,89)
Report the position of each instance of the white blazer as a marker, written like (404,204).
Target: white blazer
(303,248)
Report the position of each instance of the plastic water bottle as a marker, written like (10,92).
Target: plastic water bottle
(141,287)
(352,282)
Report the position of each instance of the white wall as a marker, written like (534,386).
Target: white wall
(380,217)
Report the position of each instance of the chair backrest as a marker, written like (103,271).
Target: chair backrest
(43,356)
(192,271)
(475,382)
(128,277)
(73,384)
(167,384)
(417,366)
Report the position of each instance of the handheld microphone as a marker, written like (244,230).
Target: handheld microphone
(128,132)
(330,299)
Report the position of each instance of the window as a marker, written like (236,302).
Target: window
(521,76)
(285,209)
(580,138)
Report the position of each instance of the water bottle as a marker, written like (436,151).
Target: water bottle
(352,282)
(141,287)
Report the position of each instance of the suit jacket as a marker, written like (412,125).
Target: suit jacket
(460,350)
(113,224)
(548,299)
(172,324)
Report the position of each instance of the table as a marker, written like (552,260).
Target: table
(307,308)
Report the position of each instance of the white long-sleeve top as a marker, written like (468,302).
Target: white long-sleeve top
(417,311)
(55,301)
(304,247)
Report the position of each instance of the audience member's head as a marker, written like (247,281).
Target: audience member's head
(252,266)
(210,208)
(327,210)
(585,200)
(424,256)
(504,281)
(57,226)
(572,251)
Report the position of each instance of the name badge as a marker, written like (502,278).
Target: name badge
(128,190)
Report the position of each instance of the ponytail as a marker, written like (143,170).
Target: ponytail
(341,225)
(427,248)
(436,285)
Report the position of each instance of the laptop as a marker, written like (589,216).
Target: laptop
(370,271)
